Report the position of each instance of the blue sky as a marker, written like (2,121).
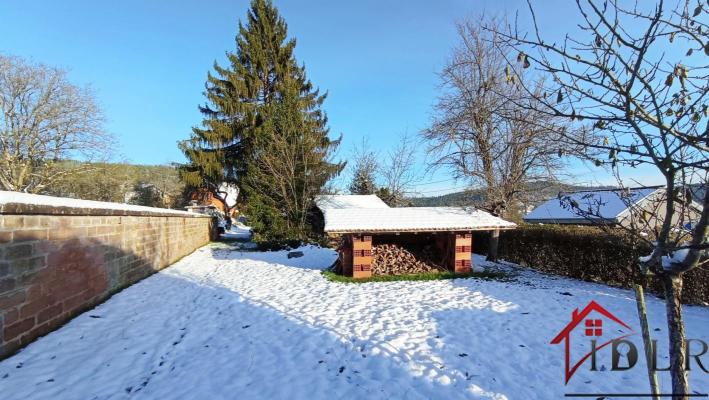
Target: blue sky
(147,62)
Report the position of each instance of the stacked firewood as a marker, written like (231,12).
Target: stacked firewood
(391,259)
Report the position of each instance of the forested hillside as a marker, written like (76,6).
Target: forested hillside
(535,194)
(150,185)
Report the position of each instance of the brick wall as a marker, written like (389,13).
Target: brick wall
(56,262)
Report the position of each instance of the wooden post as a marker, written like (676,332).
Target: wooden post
(647,341)
(462,253)
(361,256)
(346,256)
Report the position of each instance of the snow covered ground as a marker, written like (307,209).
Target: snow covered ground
(224,324)
(238,232)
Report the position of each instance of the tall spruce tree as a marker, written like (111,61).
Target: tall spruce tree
(294,166)
(263,129)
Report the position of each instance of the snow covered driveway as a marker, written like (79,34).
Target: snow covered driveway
(223,324)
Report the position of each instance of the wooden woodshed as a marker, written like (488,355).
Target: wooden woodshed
(362,221)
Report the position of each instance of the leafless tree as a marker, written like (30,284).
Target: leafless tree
(482,136)
(635,79)
(45,119)
(398,173)
(391,176)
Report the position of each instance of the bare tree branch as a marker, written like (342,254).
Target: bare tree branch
(44,120)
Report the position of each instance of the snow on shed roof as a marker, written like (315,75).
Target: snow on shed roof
(327,202)
(411,219)
(606,204)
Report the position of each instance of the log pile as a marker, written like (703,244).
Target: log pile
(391,259)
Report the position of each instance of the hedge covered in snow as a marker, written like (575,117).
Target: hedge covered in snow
(585,253)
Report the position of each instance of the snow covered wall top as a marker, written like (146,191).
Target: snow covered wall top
(606,204)
(26,203)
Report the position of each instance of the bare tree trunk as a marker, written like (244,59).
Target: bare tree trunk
(673,293)
(492,246)
(647,341)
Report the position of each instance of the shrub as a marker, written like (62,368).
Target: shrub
(586,253)
(276,245)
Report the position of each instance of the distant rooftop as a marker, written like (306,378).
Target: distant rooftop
(606,204)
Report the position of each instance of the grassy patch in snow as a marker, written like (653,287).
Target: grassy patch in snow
(426,276)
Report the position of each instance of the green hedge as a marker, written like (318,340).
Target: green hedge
(585,253)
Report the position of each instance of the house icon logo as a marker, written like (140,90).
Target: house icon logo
(595,323)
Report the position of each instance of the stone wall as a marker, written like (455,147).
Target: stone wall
(56,262)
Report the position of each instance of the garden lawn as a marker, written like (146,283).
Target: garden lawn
(225,324)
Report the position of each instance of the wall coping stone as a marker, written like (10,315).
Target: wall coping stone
(18,203)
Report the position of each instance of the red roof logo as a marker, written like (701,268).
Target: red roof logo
(591,326)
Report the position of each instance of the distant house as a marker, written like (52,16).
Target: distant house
(644,206)
(228,194)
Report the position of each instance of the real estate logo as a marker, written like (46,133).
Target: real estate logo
(594,328)
(590,322)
